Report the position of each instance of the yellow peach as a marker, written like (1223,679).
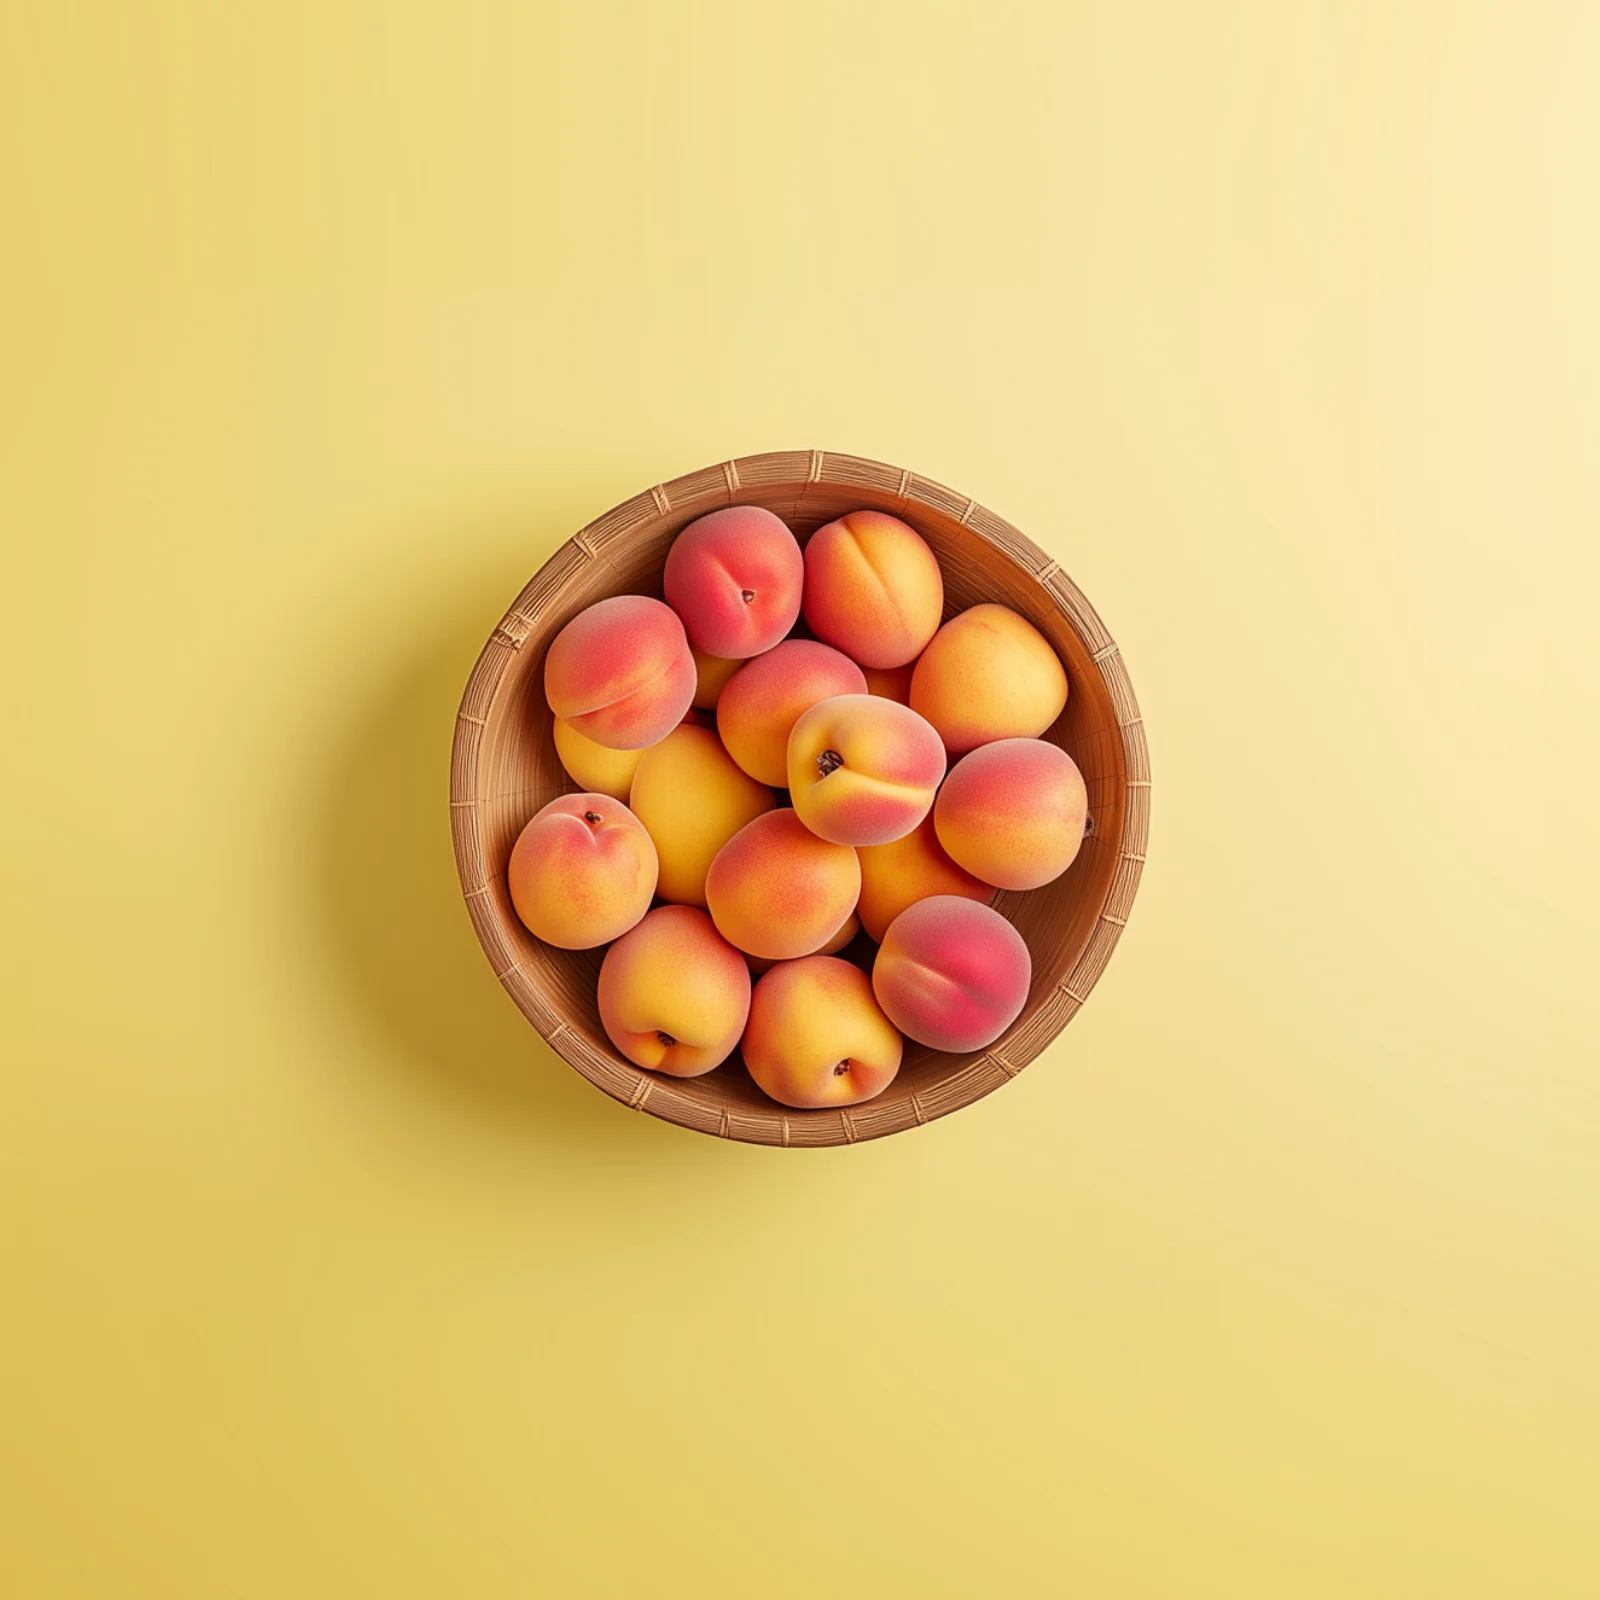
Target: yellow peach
(710,674)
(674,994)
(906,870)
(817,1036)
(988,674)
(692,799)
(892,683)
(595,767)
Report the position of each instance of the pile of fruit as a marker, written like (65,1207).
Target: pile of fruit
(787,797)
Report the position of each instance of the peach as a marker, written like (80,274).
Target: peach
(764,699)
(692,799)
(863,770)
(710,674)
(906,870)
(1012,812)
(951,973)
(777,890)
(760,964)
(582,872)
(817,1037)
(592,766)
(988,674)
(893,683)
(873,588)
(621,672)
(674,994)
(735,577)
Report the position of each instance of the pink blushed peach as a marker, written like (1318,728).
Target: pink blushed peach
(735,577)
(621,672)
(988,674)
(952,974)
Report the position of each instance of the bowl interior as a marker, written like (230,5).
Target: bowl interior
(506,769)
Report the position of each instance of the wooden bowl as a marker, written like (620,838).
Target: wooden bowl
(504,769)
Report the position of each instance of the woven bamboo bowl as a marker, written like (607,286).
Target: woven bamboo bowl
(504,769)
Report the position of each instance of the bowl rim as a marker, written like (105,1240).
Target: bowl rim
(705,490)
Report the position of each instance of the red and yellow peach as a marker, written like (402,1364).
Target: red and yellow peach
(777,890)
(674,994)
(817,1036)
(621,672)
(692,799)
(988,674)
(735,577)
(1012,812)
(906,870)
(582,871)
(952,974)
(872,588)
(764,699)
(863,770)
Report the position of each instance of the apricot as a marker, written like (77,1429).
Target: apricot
(692,799)
(1012,812)
(777,890)
(764,699)
(988,674)
(674,994)
(760,964)
(582,871)
(817,1036)
(863,770)
(621,672)
(951,973)
(893,683)
(906,870)
(710,674)
(873,588)
(594,767)
(735,577)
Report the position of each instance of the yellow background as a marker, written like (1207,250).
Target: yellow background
(324,322)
